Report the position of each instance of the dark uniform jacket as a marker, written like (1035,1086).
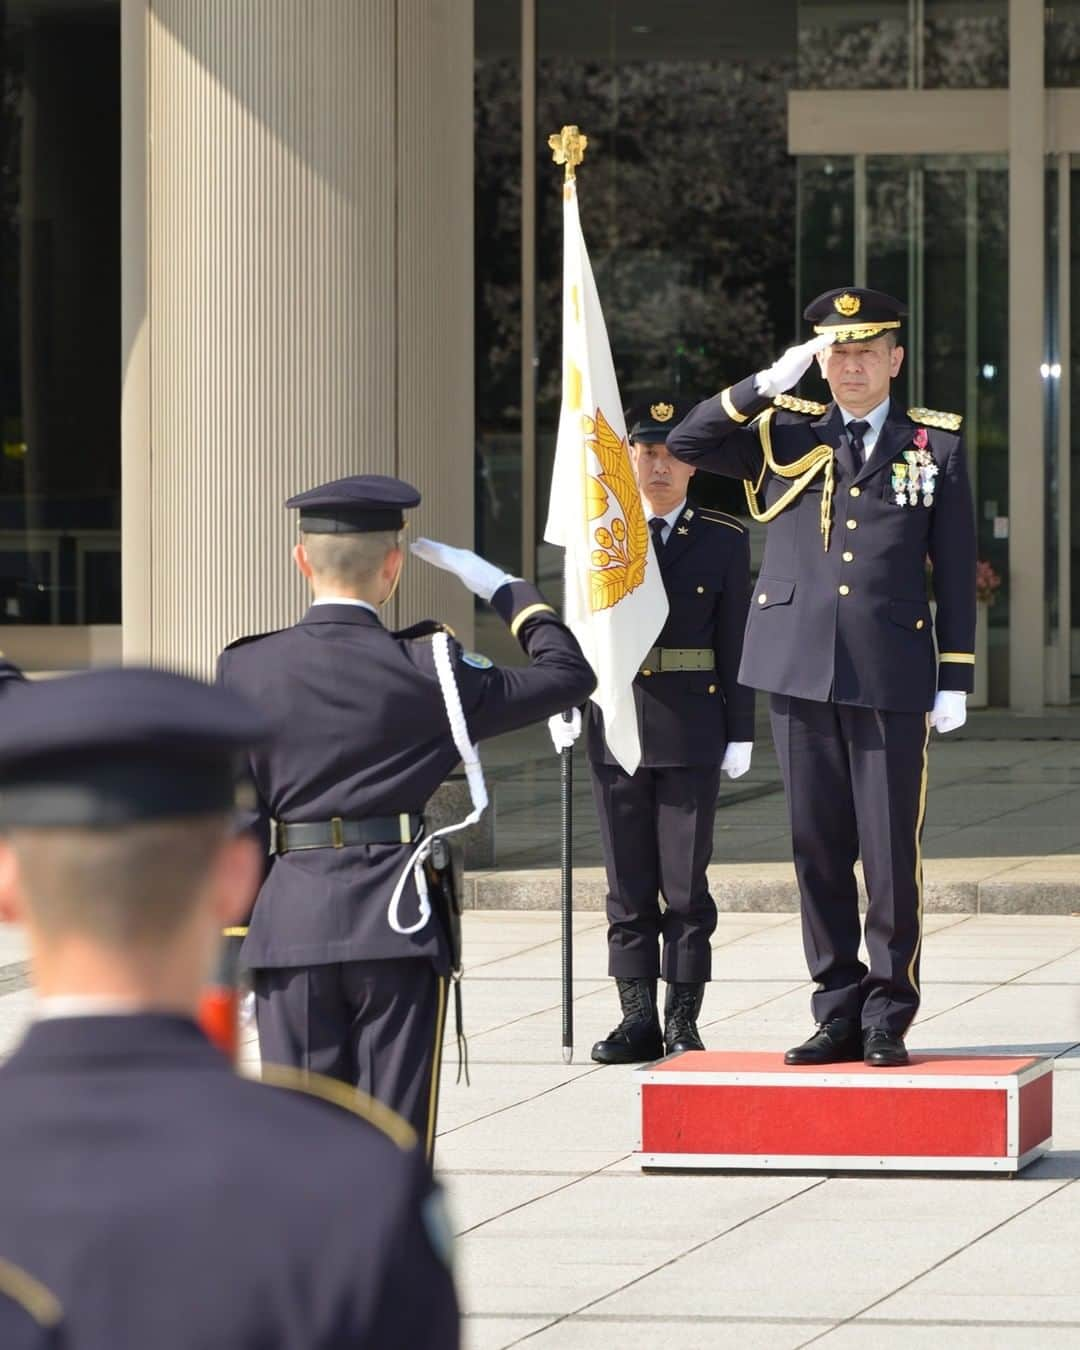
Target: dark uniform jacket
(169,1203)
(688,717)
(9,671)
(363,732)
(852,623)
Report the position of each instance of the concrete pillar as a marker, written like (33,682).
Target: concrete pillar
(297,204)
(1027,245)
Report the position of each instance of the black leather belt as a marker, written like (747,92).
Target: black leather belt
(286,837)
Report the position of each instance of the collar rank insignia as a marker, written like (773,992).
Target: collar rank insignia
(683,529)
(800,405)
(947,421)
(663,412)
(688,514)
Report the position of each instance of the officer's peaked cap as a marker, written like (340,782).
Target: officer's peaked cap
(359,504)
(855,314)
(652,419)
(111,747)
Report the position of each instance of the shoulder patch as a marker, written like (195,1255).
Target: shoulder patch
(251,637)
(946,421)
(477,661)
(353,1100)
(722,518)
(800,405)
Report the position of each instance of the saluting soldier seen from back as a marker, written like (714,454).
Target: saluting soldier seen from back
(859,495)
(160,1199)
(694,720)
(350,969)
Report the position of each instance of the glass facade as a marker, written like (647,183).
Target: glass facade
(60,312)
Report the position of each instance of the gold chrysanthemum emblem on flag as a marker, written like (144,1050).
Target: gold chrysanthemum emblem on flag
(622,540)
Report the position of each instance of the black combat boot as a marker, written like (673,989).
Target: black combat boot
(637,1037)
(681,1009)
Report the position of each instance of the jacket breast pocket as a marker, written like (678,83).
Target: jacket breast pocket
(912,614)
(772,591)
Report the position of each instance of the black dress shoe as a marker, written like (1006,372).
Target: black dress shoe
(637,1038)
(682,1008)
(884,1049)
(835,1042)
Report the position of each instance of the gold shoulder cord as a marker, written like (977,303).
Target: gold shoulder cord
(803,471)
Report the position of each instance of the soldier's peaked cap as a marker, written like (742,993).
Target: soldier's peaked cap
(359,504)
(855,314)
(111,747)
(653,419)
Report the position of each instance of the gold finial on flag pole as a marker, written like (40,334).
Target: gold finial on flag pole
(568,147)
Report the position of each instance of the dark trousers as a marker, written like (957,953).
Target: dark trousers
(656,829)
(377,1025)
(856,786)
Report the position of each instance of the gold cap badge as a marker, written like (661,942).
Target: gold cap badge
(847,305)
(663,412)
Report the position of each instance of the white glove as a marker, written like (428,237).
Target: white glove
(480,577)
(564,733)
(950,710)
(787,370)
(736,759)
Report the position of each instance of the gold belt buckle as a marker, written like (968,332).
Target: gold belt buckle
(337,834)
(405,827)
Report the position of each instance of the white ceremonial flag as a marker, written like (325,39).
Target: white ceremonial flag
(615,601)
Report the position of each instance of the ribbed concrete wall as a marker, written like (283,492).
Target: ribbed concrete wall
(307,190)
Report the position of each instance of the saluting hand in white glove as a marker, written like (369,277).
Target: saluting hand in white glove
(950,711)
(481,577)
(564,732)
(787,370)
(736,759)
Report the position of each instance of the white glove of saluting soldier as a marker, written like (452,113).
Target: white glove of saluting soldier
(787,370)
(475,573)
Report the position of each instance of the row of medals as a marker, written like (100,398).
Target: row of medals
(913,477)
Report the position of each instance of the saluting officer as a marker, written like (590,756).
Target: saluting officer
(859,494)
(350,971)
(164,1200)
(694,720)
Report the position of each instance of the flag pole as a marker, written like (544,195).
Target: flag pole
(568,148)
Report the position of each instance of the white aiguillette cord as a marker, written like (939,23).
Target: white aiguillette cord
(474,775)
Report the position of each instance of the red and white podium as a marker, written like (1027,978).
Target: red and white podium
(723,1110)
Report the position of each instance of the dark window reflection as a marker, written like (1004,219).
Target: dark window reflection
(884,44)
(60,312)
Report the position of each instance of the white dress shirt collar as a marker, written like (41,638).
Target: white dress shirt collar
(876,417)
(669,519)
(345,600)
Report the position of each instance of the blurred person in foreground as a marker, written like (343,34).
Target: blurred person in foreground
(163,1200)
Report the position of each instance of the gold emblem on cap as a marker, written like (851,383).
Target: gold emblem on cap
(847,305)
(663,412)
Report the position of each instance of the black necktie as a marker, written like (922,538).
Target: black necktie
(856,431)
(656,524)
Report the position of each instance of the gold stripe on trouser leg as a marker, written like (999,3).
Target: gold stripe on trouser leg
(436,1068)
(918,858)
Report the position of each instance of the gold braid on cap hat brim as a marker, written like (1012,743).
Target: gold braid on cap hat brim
(853,331)
(803,471)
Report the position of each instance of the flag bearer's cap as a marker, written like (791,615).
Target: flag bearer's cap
(652,421)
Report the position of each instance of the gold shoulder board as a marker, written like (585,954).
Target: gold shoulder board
(928,417)
(800,405)
(358,1103)
(722,518)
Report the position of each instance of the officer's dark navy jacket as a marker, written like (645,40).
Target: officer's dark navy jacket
(688,716)
(871,644)
(8,671)
(363,733)
(170,1204)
